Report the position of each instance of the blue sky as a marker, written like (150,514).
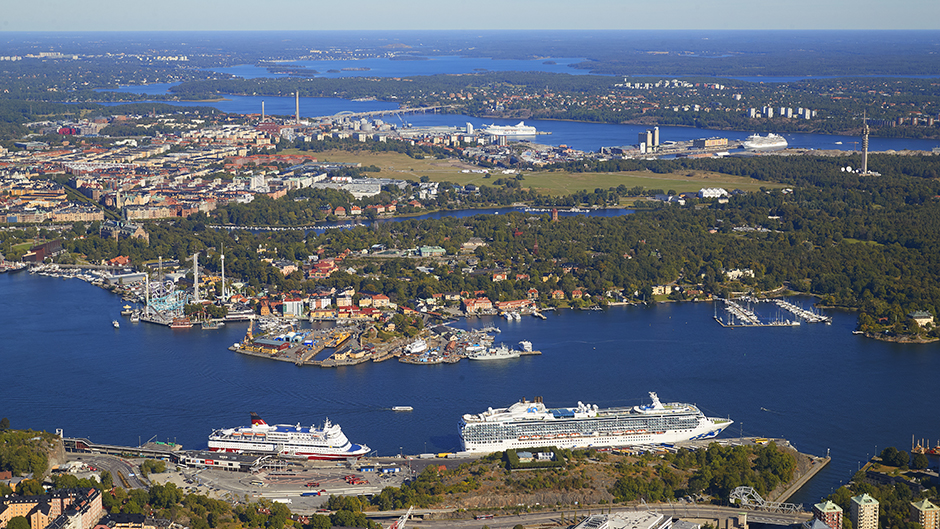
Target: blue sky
(98,15)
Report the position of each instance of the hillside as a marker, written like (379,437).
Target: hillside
(595,477)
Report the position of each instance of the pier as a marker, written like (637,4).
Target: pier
(740,316)
(81,444)
(805,315)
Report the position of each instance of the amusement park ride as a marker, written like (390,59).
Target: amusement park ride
(165,303)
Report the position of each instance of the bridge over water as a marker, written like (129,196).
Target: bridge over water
(380,113)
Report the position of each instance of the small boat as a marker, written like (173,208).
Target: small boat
(116,324)
(402,408)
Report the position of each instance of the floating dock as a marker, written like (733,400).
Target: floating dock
(739,315)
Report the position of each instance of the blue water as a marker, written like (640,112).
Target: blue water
(819,386)
(378,67)
(583,136)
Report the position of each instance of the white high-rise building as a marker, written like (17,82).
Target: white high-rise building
(864,512)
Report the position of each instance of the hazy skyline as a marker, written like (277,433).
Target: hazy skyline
(111,15)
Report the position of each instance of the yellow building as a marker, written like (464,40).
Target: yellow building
(926,514)
(864,512)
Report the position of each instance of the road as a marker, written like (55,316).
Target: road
(116,466)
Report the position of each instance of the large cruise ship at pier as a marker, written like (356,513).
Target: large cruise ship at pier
(328,442)
(510,130)
(531,424)
(770,141)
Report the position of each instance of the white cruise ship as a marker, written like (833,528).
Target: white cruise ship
(770,141)
(531,424)
(327,443)
(510,130)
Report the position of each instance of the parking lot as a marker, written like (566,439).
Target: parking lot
(307,484)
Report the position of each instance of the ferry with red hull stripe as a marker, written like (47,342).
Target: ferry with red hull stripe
(326,443)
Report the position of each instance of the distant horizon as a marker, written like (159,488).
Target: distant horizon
(426,15)
(474,30)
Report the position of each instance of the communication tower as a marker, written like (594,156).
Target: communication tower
(865,143)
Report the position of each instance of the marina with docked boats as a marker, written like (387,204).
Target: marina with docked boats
(742,312)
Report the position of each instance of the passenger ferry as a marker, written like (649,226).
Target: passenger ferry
(326,443)
(531,424)
(510,130)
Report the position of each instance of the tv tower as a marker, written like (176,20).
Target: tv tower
(865,143)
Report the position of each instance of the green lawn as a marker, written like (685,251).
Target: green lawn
(558,183)
(396,165)
(859,241)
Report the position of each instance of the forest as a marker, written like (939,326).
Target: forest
(715,471)
(23,451)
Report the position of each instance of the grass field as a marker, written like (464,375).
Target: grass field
(395,165)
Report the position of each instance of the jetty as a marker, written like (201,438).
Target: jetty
(738,315)
(805,315)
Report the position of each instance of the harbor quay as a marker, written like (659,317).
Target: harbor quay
(307,484)
(348,344)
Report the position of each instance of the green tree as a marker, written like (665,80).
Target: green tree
(919,462)
(107,482)
(318,521)
(29,487)
(18,522)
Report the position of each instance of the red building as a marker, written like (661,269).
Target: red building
(828,513)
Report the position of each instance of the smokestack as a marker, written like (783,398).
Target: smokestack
(297,104)
(262,110)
